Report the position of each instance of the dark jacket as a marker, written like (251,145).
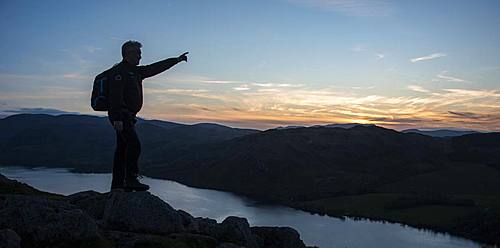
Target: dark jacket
(125,87)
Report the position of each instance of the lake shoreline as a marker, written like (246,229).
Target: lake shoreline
(299,206)
(342,215)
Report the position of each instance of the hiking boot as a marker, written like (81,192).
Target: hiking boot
(117,186)
(120,188)
(134,184)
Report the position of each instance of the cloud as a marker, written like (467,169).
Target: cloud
(173,91)
(78,76)
(91,49)
(358,48)
(469,115)
(417,88)
(428,57)
(268,90)
(241,88)
(473,93)
(362,87)
(118,38)
(450,78)
(289,85)
(380,55)
(219,82)
(477,117)
(48,111)
(263,84)
(267,85)
(350,7)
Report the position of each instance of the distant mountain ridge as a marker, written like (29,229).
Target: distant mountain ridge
(440,132)
(341,125)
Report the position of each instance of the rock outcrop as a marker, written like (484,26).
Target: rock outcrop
(121,219)
(41,222)
(9,239)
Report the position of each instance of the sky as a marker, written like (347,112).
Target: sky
(262,64)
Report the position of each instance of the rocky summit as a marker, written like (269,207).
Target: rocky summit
(121,219)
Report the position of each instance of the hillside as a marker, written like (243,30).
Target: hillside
(308,163)
(449,184)
(86,143)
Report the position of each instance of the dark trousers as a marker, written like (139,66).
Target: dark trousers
(127,152)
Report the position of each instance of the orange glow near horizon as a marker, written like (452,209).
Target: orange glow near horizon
(263,106)
(447,108)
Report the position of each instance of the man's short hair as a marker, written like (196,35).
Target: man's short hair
(129,44)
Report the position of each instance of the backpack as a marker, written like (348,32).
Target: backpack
(99,99)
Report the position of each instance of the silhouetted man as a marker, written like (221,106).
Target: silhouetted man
(125,99)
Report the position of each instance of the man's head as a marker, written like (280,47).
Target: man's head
(131,52)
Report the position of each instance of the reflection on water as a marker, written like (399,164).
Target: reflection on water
(316,230)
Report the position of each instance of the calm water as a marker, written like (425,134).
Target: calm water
(316,230)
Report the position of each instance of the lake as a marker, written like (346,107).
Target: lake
(322,231)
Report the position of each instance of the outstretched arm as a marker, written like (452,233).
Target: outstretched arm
(160,66)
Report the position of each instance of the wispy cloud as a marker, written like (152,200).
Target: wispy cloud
(290,85)
(358,48)
(277,85)
(417,88)
(242,88)
(428,57)
(77,76)
(469,115)
(448,78)
(219,82)
(350,7)
(362,87)
(263,84)
(190,78)
(268,90)
(91,49)
(174,91)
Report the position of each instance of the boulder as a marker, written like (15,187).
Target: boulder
(91,202)
(9,238)
(41,222)
(140,212)
(199,225)
(276,237)
(237,230)
(194,240)
(229,245)
(176,240)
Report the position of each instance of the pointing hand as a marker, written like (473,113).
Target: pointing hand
(183,57)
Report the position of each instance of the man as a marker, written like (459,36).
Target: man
(125,99)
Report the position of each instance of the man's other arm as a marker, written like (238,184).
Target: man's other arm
(160,66)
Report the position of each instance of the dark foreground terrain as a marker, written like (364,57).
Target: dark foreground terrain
(448,184)
(31,218)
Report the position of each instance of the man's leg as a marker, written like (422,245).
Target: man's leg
(133,151)
(119,162)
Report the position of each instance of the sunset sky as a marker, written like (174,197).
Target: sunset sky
(263,64)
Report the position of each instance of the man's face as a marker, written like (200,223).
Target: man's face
(133,55)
